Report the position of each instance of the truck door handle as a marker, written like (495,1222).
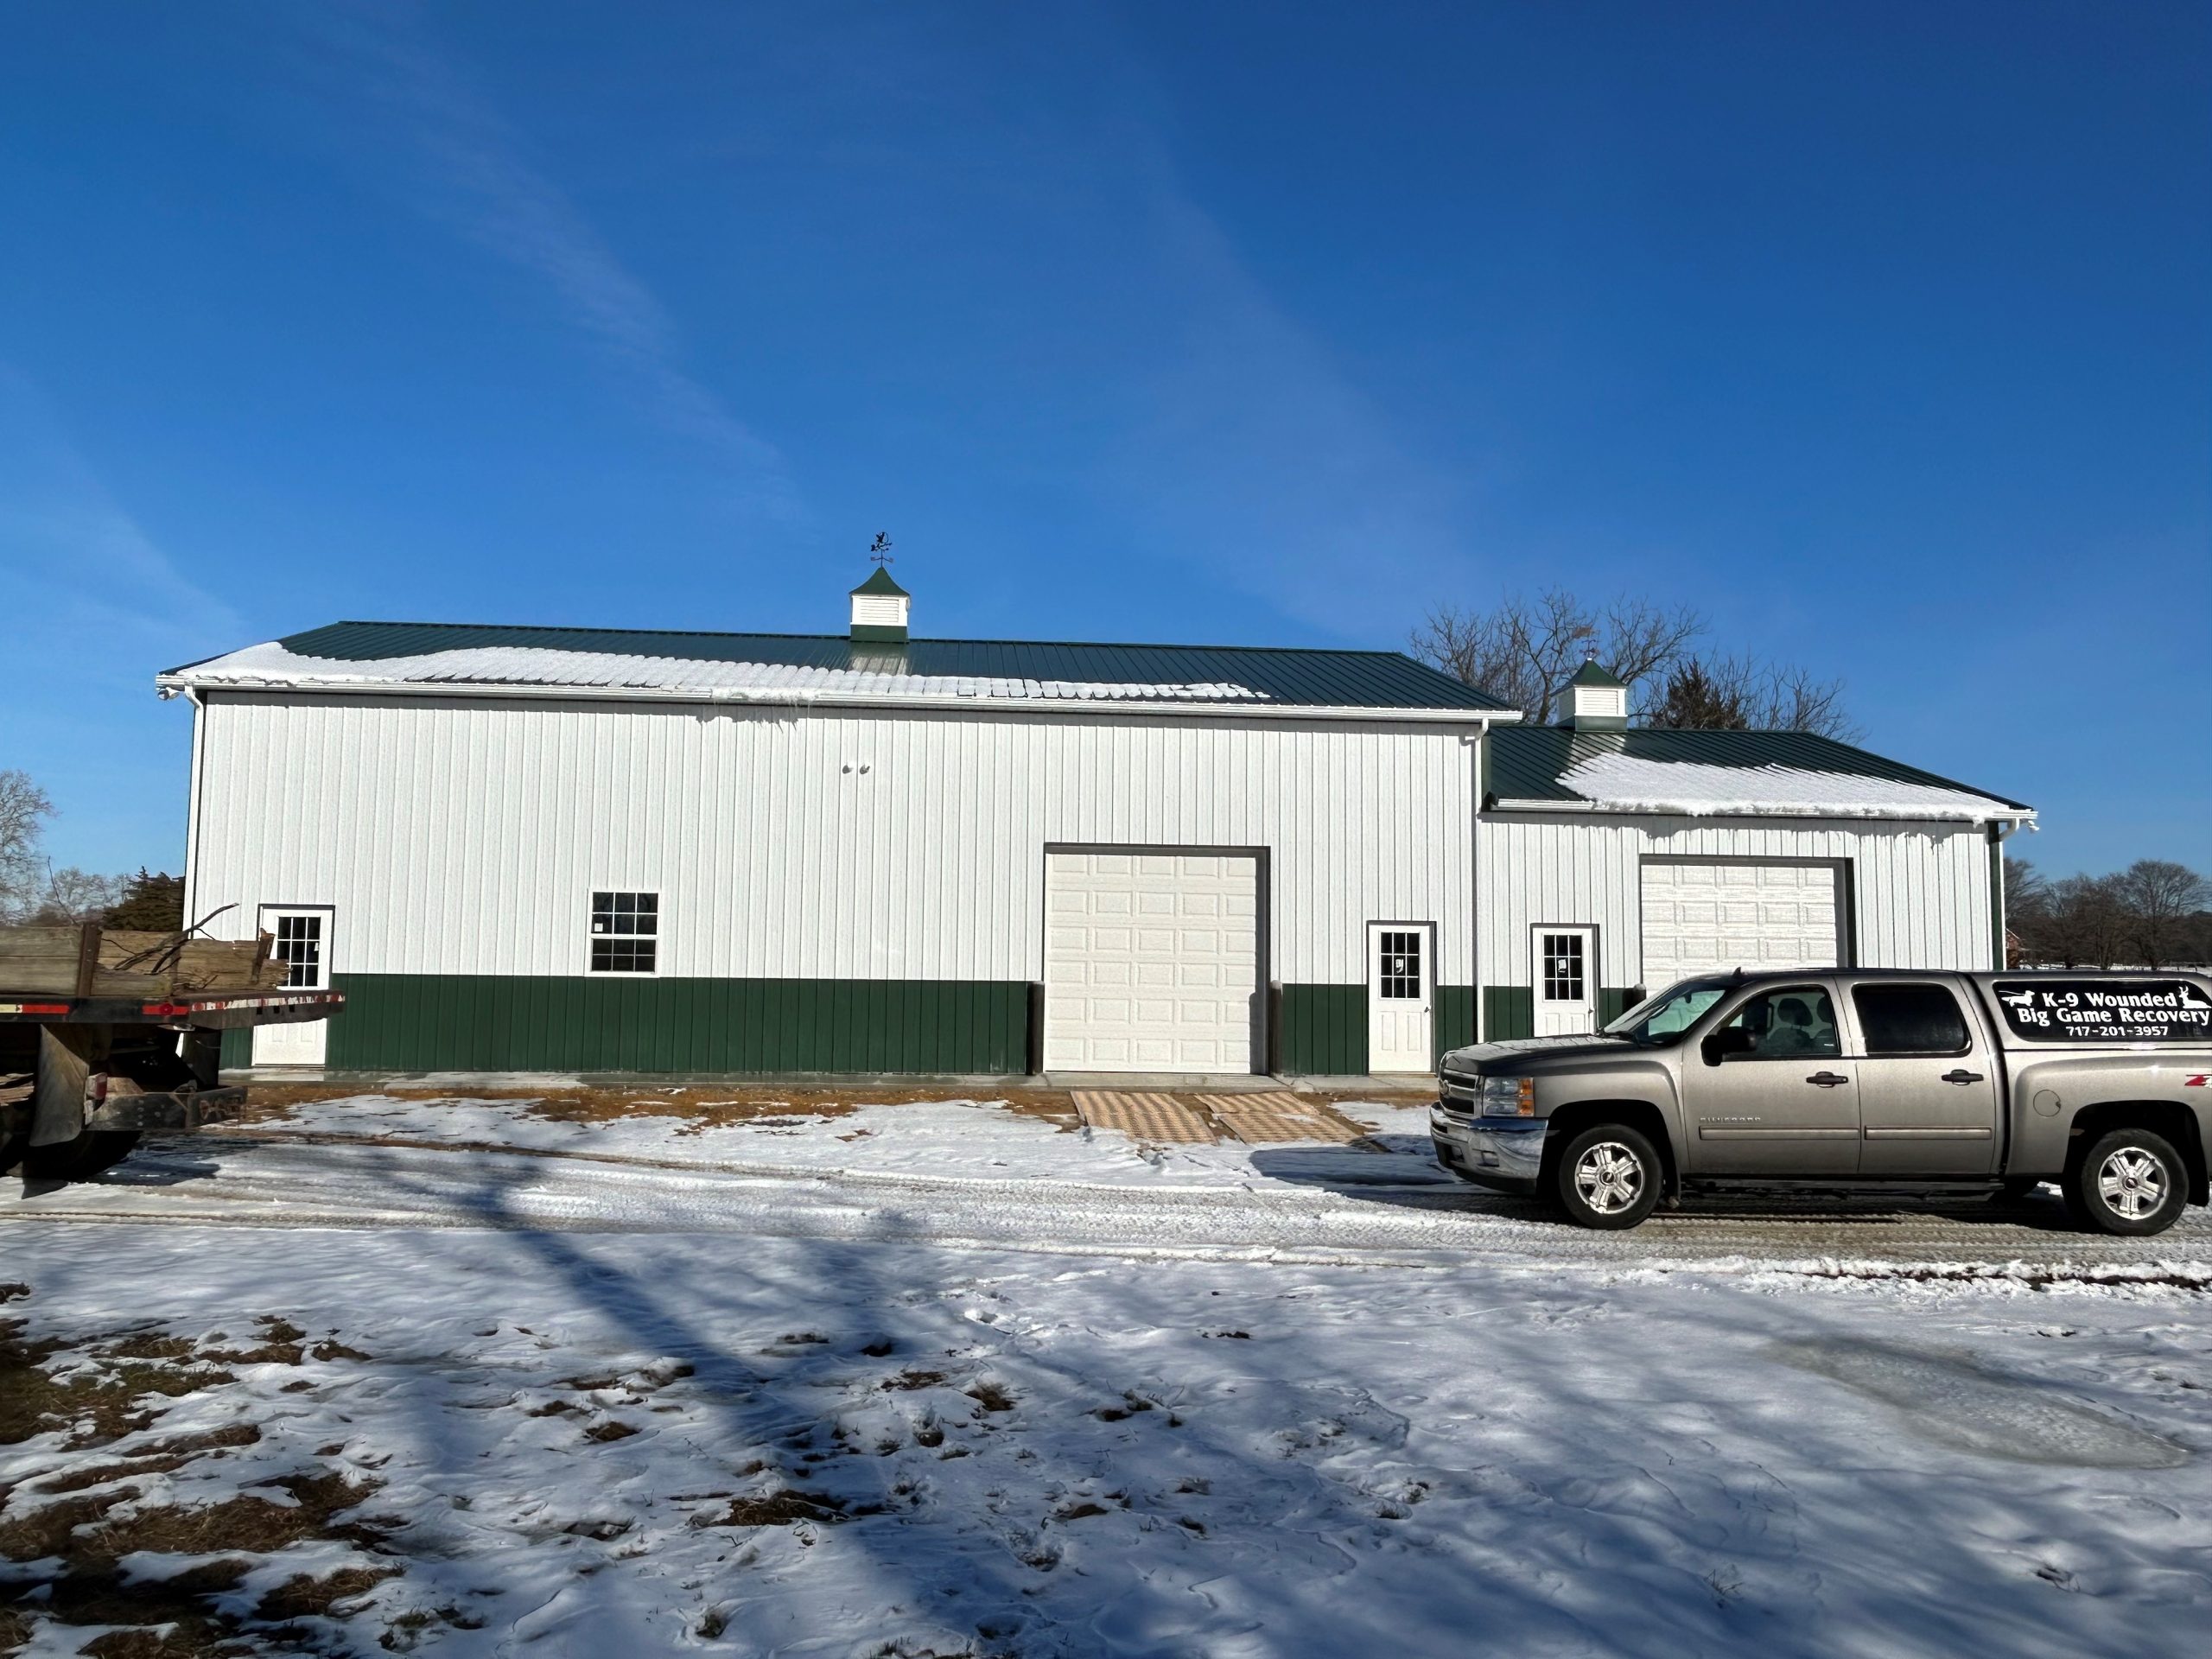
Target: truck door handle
(1962,1077)
(1828,1079)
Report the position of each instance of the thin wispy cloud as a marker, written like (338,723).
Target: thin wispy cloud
(81,572)
(474,174)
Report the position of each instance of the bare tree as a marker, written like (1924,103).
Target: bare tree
(1776,697)
(2086,924)
(72,895)
(1525,651)
(2159,899)
(24,807)
(2027,903)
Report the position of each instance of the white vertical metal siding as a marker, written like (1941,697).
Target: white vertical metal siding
(1919,892)
(464,835)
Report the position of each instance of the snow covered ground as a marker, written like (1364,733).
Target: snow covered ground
(970,1385)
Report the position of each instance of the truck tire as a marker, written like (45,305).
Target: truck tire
(1608,1177)
(2130,1181)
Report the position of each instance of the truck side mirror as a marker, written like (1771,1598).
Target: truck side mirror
(1729,1043)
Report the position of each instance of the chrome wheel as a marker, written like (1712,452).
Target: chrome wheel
(1609,1178)
(2132,1183)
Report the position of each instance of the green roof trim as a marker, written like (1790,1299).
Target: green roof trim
(879,581)
(1526,762)
(1590,674)
(1312,678)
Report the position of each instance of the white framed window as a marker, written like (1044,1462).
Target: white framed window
(625,932)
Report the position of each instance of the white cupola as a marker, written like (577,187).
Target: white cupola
(1596,702)
(880,610)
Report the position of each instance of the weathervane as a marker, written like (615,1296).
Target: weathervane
(881,550)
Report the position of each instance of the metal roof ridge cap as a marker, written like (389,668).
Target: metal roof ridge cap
(917,639)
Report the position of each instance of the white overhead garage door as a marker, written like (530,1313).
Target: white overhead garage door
(1702,916)
(1152,961)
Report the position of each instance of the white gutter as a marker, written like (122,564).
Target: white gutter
(1999,813)
(169,685)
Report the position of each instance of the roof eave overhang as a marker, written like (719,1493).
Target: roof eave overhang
(731,697)
(1997,812)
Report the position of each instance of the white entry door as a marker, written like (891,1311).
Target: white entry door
(1566,982)
(303,944)
(1401,996)
(1152,961)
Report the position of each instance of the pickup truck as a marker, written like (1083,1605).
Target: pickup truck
(1889,1079)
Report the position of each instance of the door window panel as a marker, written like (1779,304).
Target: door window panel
(1398,965)
(1796,1023)
(298,945)
(1564,977)
(1910,1020)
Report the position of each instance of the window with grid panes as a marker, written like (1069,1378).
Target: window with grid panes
(298,945)
(1563,967)
(1398,964)
(625,932)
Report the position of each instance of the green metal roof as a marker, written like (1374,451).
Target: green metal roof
(1340,679)
(879,581)
(1526,762)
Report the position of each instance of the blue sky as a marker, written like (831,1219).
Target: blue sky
(1883,334)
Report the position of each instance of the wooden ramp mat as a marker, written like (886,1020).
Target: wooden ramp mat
(1280,1115)
(1161,1119)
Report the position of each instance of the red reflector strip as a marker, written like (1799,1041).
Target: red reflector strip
(165,1010)
(41,1007)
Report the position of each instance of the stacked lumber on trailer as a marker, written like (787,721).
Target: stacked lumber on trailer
(93,961)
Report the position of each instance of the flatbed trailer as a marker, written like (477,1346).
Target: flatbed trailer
(83,1077)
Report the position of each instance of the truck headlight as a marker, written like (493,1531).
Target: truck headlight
(1508,1096)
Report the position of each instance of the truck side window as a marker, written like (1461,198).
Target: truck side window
(1909,1020)
(1794,1023)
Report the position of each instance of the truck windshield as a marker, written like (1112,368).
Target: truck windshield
(1659,1021)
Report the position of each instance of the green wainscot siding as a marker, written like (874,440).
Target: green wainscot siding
(1509,1011)
(417,1022)
(1324,1028)
(1324,1031)
(1455,1017)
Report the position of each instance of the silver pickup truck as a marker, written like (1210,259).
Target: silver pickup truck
(1828,1078)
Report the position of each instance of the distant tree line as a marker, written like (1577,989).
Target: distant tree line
(32,893)
(2155,913)
(1526,648)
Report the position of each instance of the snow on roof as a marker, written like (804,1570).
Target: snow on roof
(1622,783)
(273,665)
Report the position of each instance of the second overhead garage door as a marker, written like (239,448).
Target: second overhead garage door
(1703,917)
(1152,961)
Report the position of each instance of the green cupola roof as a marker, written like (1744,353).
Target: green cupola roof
(1590,674)
(879,581)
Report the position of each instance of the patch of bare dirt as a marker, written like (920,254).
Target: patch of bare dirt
(103,1400)
(991,1396)
(303,1597)
(704,1105)
(778,1509)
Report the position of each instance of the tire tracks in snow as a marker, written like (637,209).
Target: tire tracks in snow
(337,1181)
